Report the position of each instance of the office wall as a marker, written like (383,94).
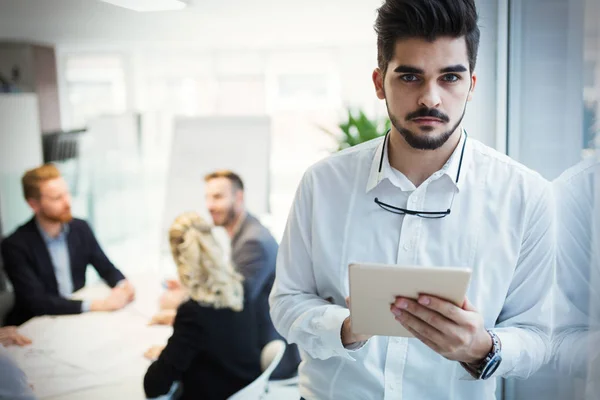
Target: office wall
(20,149)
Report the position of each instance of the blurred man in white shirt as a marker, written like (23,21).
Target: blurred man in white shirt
(576,336)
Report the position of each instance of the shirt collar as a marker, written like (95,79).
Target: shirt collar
(47,238)
(450,168)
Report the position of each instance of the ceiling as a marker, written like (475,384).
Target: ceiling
(92,24)
(205,23)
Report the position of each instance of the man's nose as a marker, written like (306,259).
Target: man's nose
(430,97)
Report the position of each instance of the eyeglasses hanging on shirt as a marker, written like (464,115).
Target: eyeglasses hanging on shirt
(422,214)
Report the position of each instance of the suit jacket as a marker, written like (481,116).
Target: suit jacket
(211,352)
(254,254)
(29,267)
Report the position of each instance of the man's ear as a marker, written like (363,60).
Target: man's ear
(473,84)
(239,197)
(378,78)
(34,204)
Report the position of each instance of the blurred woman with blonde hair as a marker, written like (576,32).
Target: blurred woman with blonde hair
(212,352)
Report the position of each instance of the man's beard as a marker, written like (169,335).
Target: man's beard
(229,218)
(63,218)
(425,142)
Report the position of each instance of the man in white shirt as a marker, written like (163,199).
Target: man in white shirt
(576,336)
(425,195)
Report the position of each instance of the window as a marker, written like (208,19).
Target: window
(95,85)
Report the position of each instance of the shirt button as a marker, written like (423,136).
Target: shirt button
(406,246)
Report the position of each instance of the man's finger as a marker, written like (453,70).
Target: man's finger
(172,284)
(430,317)
(418,325)
(443,307)
(24,340)
(423,339)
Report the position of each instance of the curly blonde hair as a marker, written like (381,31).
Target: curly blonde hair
(201,265)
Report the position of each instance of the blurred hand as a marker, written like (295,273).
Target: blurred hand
(349,338)
(118,298)
(10,336)
(173,284)
(128,287)
(153,352)
(171,299)
(164,317)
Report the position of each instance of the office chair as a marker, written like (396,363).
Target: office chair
(270,357)
(7,297)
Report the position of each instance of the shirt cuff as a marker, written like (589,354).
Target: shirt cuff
(86,306)
(121,282)
(332,323)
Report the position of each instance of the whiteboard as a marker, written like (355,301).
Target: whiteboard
(202,145)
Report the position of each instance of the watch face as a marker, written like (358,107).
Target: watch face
(491,367)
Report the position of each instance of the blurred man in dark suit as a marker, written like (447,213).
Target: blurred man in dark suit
(47,257)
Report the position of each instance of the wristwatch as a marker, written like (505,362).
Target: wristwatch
(490,363)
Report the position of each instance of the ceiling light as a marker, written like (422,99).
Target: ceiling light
(149,5)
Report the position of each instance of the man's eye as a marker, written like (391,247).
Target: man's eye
(409,78)
(451,78)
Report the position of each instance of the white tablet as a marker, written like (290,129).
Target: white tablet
(374,287)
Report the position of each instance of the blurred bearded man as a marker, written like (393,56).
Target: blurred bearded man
(47,257)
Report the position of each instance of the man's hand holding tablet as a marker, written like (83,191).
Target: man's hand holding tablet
(428,303)
(456,333)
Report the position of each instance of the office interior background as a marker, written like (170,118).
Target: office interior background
(112,94)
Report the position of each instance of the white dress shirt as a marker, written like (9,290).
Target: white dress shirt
(576,337)
(58,248)
(501,226)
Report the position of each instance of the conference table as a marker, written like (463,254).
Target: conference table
(100,355)
(96,355)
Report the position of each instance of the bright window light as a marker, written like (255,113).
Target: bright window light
(149,5)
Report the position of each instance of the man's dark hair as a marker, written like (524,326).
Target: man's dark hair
(426,19)
(235,179)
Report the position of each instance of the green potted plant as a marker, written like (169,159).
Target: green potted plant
(357,129)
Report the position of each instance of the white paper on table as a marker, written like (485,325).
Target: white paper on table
(106,340)
(75,352)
